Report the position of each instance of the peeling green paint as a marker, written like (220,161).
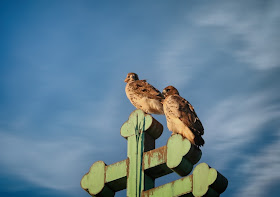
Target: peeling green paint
(175,188)
(116,171)
(138,172)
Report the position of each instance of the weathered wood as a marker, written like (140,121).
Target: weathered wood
(175,188)
(116,175)
(140,130)
(144,164)
(113,177)
(94,181)
(205,177)
(138,119)
(154,163)
(181,155)
(203,182)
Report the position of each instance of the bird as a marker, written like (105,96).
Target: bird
(143,95)
(181,117)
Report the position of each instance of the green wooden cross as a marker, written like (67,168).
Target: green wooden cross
(144,164)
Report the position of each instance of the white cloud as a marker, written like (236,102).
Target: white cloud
(170,61)
(56,162)
(263,170)
(50,164)
(250,23)
(178,58)
(232,125)
(235,122)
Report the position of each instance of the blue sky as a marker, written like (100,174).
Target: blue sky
(62,95)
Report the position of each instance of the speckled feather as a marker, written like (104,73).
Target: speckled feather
(185,112)
(141,88)
(181,118)
(144,96)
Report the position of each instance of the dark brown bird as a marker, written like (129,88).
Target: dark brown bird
(143,95)
(181,117)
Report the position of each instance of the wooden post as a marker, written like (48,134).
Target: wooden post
(140,130)
(144,164)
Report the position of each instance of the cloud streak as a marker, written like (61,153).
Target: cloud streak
(233,125)
(263,170)
(236,122)
(256,30)
(49,164)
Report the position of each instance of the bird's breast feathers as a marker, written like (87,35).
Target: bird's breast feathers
(142,96)
(175,125)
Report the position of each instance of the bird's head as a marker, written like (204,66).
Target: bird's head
(131,77)
(169,90)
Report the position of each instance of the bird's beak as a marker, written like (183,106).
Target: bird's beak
(164,92)
(126,80)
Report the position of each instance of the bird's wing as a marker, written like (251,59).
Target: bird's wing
(182,109)
(143,88)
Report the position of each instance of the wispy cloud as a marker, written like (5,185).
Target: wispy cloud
(172,60)
(45,163)
(70,130)
(251,27)
(176,58)
(233,125)
(262,170)
(237,121)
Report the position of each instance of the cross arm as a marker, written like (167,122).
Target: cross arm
(103,180)
(179,155)
(204,181)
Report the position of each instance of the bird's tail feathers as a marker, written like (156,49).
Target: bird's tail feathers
(199,141)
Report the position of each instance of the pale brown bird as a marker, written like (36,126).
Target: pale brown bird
(181,117)
(143,95)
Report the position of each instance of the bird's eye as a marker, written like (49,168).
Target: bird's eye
(167,90)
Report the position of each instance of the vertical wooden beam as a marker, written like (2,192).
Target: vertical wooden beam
(140,130)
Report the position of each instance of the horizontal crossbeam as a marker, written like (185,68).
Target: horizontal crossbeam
(204,181)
